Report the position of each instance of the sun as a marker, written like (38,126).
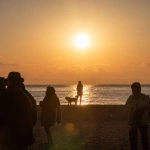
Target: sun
(82,41)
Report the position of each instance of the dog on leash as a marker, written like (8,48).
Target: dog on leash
(70,100)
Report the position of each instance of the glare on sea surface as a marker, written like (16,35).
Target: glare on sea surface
(85,100)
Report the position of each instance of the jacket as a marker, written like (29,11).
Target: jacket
(51,112)
(136,103)
(16,117)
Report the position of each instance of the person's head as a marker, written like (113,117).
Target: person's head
(79,82)
(13,77)
(136,88)
(50,90)
(2,85)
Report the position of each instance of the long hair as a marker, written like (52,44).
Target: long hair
(50,91)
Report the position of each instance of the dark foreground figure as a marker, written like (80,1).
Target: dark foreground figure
(137,105)
(17,114)
(51,112)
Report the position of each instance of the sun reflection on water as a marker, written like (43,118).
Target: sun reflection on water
(86,91)
(92,94)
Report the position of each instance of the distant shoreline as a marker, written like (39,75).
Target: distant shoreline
(84,84)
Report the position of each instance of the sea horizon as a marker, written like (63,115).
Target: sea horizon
(93,94)
(86,84)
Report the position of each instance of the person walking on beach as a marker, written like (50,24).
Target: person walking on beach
(51,112)
(16,118)
(79,91)
(137,105)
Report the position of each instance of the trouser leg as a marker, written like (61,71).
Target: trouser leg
(80,99)
(49,135)
(133,138)
(144,137)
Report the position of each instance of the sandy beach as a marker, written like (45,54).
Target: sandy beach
(87,127)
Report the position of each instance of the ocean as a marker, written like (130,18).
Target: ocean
(92,94)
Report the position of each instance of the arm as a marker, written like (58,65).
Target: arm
(59,119)
(42,103)
(145,101)
(130,104)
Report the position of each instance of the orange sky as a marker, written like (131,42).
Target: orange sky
(36,40)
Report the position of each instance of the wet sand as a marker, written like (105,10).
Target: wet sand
(87,127)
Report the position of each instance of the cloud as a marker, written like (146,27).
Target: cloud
(148,64)
(102,65)
(145,64)
(3,63)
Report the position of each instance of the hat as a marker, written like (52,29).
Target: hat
(2,85)
(14,76)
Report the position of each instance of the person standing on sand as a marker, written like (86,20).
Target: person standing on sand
(16,122)
(79,91)
(137,105)
(51,112)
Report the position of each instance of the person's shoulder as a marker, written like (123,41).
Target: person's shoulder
(28,93)
(144,95)
(130,97)
(56,97)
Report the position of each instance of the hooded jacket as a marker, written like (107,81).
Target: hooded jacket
(138,102)
(51,111)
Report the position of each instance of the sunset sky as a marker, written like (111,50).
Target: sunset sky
(37,39)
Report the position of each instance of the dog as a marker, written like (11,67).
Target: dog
(70,100)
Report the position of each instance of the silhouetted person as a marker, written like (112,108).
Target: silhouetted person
(2,90)
(137,105)
(51,112)
(79,90)
(2,85)
(16,115)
